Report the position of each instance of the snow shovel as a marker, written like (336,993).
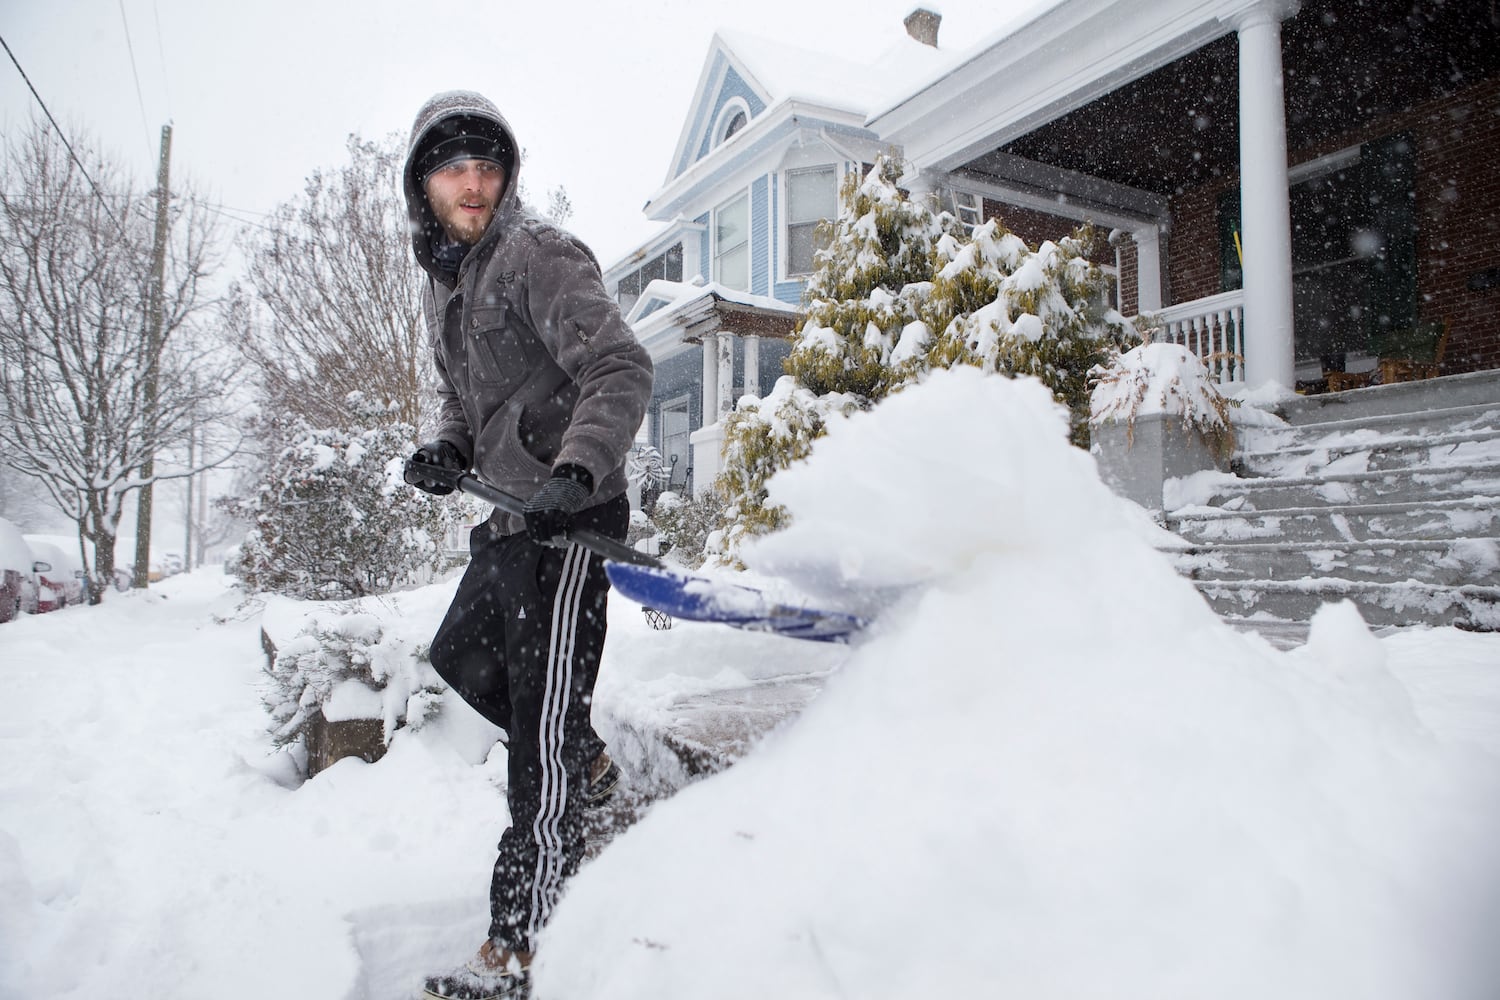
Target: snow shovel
(648,581)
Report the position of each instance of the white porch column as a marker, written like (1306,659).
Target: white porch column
(726,376)
(752,364)
(708,456)
(1265,204)
(1147,269)
(710,379)
(692,254)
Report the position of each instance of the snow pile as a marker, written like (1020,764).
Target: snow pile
(1052,772)
(15,553)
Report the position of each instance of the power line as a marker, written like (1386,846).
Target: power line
(225,211)
(138,98)
(61,135)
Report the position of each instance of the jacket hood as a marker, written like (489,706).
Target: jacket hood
(423,222)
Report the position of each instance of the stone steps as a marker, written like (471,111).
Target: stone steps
(1387,496)
(1382,604)
(1434,520)
(1449,563)
(1477,417)
(1352,451)
(1378,486)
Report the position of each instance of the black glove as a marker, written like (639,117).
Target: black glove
(422,468)
(549,512)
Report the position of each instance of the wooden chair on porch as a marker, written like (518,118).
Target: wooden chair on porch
(1412,353)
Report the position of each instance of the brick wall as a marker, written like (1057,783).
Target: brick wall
(1458,205)
(1193,244)
(1129,277)
(1458,218)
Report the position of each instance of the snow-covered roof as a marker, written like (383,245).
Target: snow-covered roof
(985,25)
(789,71)
(662,300)
(656,243)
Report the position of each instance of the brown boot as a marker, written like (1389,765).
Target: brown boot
(495,973)
(604,777)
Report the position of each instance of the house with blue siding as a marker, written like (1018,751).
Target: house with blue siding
(771,133)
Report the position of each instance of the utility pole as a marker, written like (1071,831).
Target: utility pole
(202,504)
(187,508)
(153,359)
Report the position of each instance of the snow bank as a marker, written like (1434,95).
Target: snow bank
(1052,772)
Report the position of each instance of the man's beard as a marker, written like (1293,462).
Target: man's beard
(463,228)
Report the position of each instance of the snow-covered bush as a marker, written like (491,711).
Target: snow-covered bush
(332,518)
(868,290)
(347,662)
(1167,379)
(902,290)
(684,524)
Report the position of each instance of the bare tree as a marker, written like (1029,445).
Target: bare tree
(331,299)
(74,343)
(559,206)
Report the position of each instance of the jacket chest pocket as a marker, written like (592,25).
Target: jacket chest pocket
(497,351)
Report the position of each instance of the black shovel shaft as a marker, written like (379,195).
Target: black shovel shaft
(601,545)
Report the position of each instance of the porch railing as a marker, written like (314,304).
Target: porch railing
(1212,328)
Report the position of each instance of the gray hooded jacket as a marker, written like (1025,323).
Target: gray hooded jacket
(536,366)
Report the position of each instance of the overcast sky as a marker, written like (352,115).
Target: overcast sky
(261,93)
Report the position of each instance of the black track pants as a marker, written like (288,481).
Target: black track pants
(521,644)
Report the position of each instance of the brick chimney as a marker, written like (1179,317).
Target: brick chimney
(922,24)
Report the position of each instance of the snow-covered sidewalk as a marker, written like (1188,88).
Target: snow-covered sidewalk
(154,844)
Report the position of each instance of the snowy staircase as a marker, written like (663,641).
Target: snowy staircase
(1387,496)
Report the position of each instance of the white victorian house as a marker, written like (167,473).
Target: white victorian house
(1289,188)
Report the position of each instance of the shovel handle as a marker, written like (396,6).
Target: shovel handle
(601,545)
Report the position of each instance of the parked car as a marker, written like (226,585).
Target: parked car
(18,569)
(62,583)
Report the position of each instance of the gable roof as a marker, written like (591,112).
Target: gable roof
(763,74)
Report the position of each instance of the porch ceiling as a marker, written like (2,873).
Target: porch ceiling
(1346,63)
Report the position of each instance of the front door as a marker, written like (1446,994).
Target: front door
(676,449)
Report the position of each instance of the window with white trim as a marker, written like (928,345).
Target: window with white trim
(732,243)
(734,117)
(812,198)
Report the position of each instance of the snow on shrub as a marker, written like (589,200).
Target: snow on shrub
(349,660)
(1162,379)
(332,517)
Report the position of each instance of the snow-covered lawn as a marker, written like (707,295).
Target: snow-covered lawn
(1050,772)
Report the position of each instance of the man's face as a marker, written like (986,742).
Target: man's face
(464,195)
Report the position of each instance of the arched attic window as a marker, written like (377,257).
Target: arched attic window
(734,117)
